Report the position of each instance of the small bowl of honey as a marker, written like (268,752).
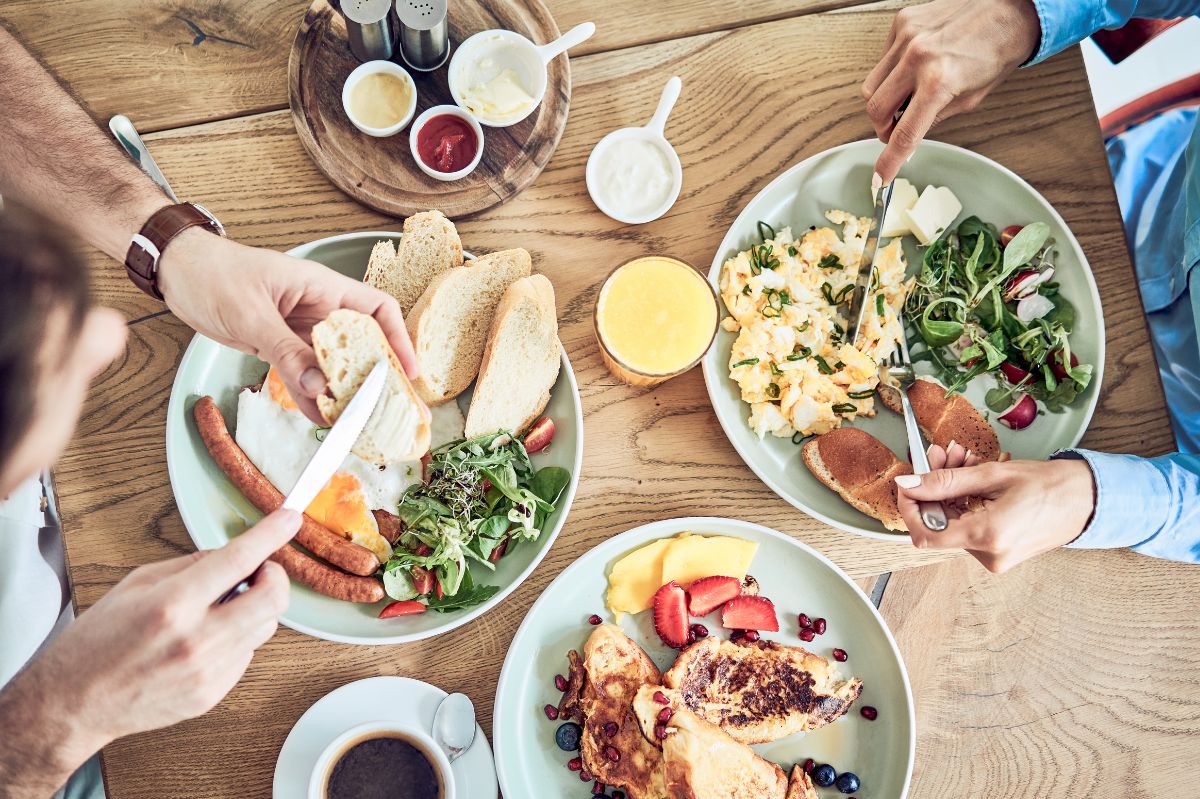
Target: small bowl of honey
(655,317)
(379,98)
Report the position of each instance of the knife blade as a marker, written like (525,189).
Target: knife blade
(333,450)
(866,266)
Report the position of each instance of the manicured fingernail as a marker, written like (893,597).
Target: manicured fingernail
(908,480)
(967,456)
(876,182)
(312,381)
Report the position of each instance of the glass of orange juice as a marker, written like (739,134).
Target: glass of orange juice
(655,318)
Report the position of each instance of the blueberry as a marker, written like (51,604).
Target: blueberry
(824,775)
(848,782)
(567,736)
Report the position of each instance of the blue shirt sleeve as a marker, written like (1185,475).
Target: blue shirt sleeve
(1151,505)
(1068,22)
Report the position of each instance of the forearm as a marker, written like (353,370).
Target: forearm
(1149,505)
(1068,22)
(42,743)
(54,159)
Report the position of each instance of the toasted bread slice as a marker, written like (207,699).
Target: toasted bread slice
(449,325)
(860,469)
(348,344)
(520,362)
(944,419)
(430,245)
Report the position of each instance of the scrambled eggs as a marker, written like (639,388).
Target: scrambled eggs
(789,359)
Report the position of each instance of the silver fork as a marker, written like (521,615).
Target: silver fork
(900,367)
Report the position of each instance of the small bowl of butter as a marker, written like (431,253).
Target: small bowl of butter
(379,98)
(655,317)
(499,76)
(634,174)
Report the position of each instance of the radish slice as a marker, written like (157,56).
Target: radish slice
(1035,306)
(1014,373)
(1020,414)
(1025,283)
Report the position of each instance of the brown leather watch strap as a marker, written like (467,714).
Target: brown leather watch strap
(141,262)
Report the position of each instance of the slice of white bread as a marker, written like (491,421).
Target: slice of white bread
(944,419)
(520,362)
(860,468)
(449,325)
(348,344)
(428,247)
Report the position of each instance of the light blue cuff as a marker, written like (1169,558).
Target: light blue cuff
(1127,490)
(1064,23)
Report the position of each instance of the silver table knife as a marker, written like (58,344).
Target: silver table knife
(333,450)
(127,136)
(866,266)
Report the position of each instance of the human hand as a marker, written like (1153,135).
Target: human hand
(947,56)
(1028,507)
(266,303)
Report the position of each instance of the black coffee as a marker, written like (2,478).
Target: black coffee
(384,767)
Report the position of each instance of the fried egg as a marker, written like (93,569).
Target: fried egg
(789,358)
(280,441)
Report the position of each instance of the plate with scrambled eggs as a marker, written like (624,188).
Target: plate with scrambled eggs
(781,369)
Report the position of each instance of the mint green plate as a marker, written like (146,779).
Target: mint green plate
(797,578)
(213,510)
(840,178)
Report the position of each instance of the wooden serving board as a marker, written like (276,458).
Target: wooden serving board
(380,173)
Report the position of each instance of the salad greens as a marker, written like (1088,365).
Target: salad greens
(974,307)
(482,496)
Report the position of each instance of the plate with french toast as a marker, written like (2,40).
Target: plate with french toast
(703,657)
(975,270)
(462,476)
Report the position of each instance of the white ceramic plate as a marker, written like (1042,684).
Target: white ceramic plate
(213,510)
(397,699)
(793,575)
(840,178)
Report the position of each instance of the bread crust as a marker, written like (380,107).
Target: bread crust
(944,419)
(861,470)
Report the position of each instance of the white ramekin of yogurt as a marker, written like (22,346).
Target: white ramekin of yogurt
(500,76)
(634,174)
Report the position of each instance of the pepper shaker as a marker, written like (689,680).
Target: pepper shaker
(424,33)
(369,28)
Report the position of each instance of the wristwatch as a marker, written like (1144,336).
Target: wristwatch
(148,244)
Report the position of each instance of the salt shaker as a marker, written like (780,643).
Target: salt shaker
(424,33)
(369,29)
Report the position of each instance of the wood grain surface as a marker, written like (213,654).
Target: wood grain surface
(757,98)
(380,173)
(1074,675)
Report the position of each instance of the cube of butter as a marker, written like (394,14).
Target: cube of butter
(934,212)
(904,196)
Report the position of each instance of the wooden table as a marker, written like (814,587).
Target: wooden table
(1075,675)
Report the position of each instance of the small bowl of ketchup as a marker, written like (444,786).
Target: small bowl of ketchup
(446,142)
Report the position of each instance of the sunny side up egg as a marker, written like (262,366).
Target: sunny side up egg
(789,359)
(280,441)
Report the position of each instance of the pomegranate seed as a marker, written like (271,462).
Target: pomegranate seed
(805,621)
(840,655)
(598,787)
(807,634)
(699,630)
(665,714)
(809,765)
(691,637)
(594,619)
(584,776)
(551,712)
(610,729)
(612,753)
(819,626)
(560,682)
(575,763)
(661,698)
(745,635)
(869,713)
(660,731)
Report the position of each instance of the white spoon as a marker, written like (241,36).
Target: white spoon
(454,725)
(487,54)
(652,133)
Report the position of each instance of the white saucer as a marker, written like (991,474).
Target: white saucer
(376,699)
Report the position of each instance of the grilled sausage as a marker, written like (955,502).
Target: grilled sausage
(318,539)
(325,579)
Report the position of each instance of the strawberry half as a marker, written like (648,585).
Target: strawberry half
(670,615)
(750,613)
(709,593)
